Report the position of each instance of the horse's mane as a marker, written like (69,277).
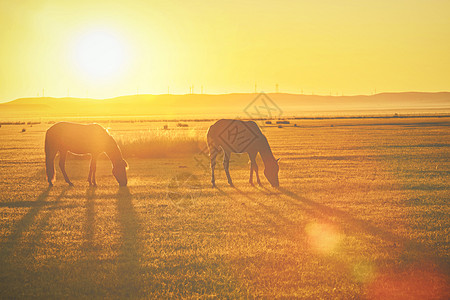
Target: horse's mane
(108,135)
(115,153)
(265,143)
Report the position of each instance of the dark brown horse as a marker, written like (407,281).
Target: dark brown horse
(76,138)
(241,137)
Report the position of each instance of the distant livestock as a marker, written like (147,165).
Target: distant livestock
(76,138)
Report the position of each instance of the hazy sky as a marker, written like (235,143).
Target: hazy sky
(110,48)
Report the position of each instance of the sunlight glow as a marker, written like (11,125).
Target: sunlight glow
(159,47)
(100,55)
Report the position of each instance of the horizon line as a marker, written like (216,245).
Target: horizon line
(221,94)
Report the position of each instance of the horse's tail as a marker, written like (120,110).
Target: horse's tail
(213,148)
(49,159)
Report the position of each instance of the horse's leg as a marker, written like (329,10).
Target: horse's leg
(255,167)
(252,157)
(213,151)
(226,165)
(50,165)
(92,169)
(62,165)
(90,173)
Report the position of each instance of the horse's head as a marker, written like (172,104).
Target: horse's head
(120,172)
(271,172)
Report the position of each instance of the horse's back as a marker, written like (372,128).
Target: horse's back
(224,124)
(77,138)
(234,135)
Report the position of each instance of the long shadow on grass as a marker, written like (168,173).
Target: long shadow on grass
(12,258)
(279,218)
(276,230)
(413,252)
(416,250)
(36,236)
(89,225)
(266,221)
(11,241)
(129,256)
(274,221)
(27,221)
(323,212)
(331,213)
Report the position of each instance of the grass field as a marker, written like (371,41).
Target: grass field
(362,212)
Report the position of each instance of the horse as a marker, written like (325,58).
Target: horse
(236,136)
(82,139)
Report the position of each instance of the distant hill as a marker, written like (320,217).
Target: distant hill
(225,104)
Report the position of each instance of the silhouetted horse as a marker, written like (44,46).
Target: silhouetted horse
(239,137)
(82,139)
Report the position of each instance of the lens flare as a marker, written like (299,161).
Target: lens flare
(322,237)
(416,282)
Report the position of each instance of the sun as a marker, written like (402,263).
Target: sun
(100,54)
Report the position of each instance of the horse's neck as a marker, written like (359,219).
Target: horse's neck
(113,153)
(266,152)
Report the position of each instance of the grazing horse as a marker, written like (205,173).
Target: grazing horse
(90,139)
(239,137)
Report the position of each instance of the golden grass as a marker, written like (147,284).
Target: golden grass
(362,212)
(161,143)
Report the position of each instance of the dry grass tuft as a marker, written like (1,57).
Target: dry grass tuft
(158,143)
